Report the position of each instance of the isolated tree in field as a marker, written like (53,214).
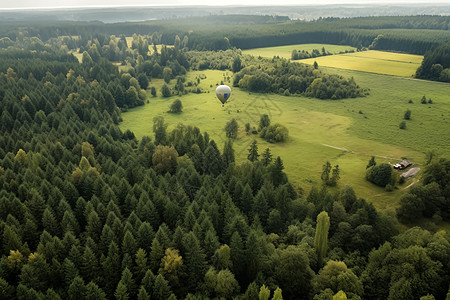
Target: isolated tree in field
(371,163)
(321,236)
(326,169)
(266,157)
(253,152)
(316,65)
(247,128)
(264,121)
(160,130)
(407,115)
(423,100)
(402,125)
(165,91)
(231,128)
(335,176)
(153,91)
(176,107)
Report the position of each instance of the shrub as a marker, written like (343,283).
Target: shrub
(275,133)
(380,174)
(176,107)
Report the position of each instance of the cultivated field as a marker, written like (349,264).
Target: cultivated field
(320,130)
(371,61)
(286,51)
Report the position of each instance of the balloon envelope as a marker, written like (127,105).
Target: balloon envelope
(223,92)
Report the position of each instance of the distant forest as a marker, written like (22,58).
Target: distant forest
(417,34)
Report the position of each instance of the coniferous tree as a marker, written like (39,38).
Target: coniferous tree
(266,157)
(253,152)
(228,153)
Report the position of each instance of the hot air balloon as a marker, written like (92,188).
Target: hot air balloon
(223,93)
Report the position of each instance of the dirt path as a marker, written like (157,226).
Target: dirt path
(350,151)
(415,180)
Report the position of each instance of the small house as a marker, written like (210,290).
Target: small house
(402,165)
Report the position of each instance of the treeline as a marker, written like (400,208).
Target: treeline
(302,54)
(414,34)
(436,65)
(432,198)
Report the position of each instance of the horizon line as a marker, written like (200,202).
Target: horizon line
(227,5)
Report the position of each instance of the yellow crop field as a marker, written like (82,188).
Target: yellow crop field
(371,61)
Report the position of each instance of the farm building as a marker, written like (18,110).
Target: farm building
(402,165)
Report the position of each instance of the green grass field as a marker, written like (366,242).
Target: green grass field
(286,51)
(316,126)
(371,61)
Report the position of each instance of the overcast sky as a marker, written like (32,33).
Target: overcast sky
(5,4)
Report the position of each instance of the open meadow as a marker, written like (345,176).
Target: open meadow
(345,132)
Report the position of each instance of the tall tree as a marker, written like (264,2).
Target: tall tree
(253,152)
(321,236)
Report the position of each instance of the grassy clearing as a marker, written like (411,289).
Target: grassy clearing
(371,61)
(286,51)
(313,124)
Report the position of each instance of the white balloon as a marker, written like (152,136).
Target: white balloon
(223,92)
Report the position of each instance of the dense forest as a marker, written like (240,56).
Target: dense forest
(413,34)
(87,211)
(436,65)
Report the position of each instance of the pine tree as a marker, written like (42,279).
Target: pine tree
(121,292)
(326,169)
(93,292)
(264,293)
(161,290)
(141,263)
(266,157)
(77,289)
(195,261)
(277,295)
(371,163)
(156,255)
(228,153)
(143,295)
(335,175)
(321,236)
(253,152)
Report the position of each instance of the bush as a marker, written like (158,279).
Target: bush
(380,174)
(407,115)
(402,125)
(231,128)
(176,107)
(165,91)
(275,133)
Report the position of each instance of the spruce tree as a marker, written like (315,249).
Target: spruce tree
(253,152)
